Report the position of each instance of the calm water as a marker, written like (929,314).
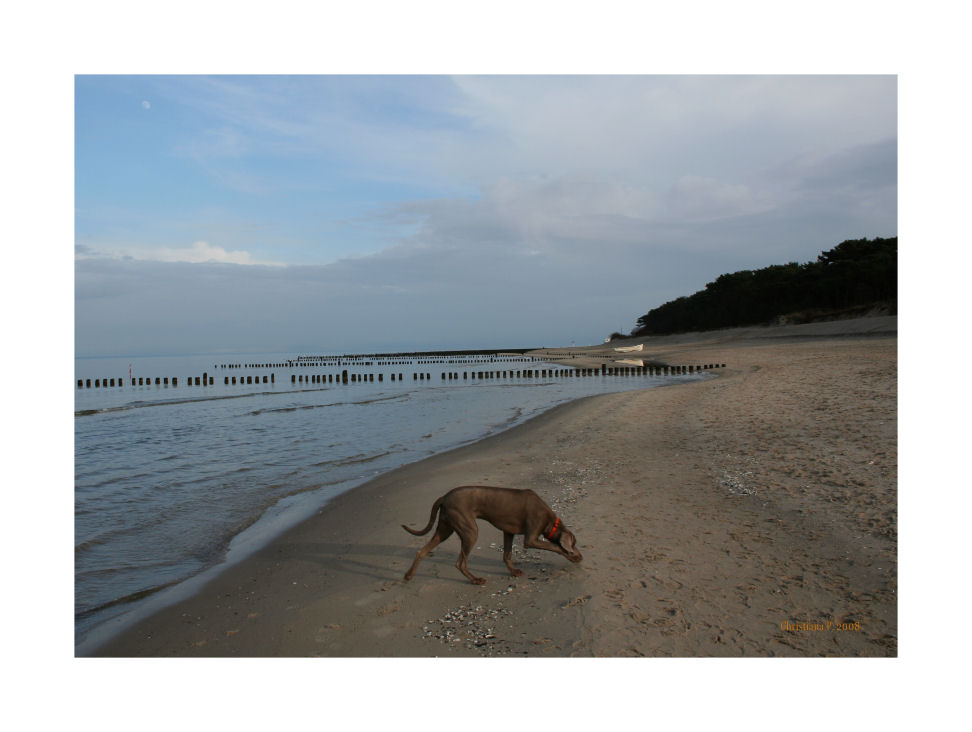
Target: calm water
(169,479)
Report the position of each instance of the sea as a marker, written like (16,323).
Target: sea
(185,464)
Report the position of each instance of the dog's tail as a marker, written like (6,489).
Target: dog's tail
(435,510)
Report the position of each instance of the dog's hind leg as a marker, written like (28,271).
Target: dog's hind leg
(508,554)
(468,534)
(442,532)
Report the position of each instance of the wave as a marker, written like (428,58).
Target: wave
(245,395)
(200,400)
(361,402)
(354,459)
(131,597)
(168,403)
(80,478)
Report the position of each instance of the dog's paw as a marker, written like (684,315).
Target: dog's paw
(478,581)
(516,572)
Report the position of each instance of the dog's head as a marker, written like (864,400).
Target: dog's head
(569,544)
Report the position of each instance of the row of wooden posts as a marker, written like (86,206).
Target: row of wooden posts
(334,361)
(344,377)
(204,380)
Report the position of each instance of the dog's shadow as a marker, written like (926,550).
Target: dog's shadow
(385,563)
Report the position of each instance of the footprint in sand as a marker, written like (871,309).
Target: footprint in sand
(616,594)
(668,584)
(576,601)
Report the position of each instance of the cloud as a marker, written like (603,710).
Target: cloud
(362,128)
(857,183)
(202,251)
(645,128)
(198,252)
(695,198)
(859,168)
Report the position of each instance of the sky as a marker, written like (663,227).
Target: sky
(363,213)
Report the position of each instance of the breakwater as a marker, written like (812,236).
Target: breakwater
(344,376)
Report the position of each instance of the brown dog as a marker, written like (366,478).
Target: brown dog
(511,510)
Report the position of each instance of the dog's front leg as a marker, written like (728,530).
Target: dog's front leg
(508,554)
(534,541)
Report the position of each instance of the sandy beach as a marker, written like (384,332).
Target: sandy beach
(751,514)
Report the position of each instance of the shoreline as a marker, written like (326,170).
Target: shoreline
(186,589)
(272,523)
(350,502)
(714,517)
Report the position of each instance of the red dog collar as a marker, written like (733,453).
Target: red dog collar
(553,531)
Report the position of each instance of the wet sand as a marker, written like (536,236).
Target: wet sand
(753,514)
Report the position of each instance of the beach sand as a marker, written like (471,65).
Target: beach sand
(751,514)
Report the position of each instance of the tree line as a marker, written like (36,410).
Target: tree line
(855,276)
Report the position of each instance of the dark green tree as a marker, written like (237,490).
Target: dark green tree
(854,275)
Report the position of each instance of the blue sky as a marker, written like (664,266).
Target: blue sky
(288,168)
(322,213)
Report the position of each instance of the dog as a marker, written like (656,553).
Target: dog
(511,510)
